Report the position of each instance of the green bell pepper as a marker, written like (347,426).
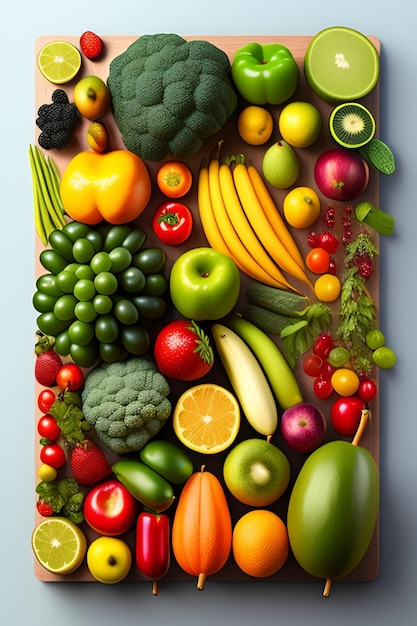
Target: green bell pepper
(265,74)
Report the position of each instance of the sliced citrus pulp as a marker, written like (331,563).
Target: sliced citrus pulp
(59,61)
(207,418)
(341,64)
(59,545)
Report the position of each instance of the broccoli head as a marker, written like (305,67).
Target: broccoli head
(169,95)
(126,402)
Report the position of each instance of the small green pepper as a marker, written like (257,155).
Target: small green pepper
(265,74)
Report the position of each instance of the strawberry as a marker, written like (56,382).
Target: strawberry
(91,45)
(88,463)
(46,367)
(182,351)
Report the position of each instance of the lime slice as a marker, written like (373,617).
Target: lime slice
(352,125)
(59,545)
(59,61)
(341,64)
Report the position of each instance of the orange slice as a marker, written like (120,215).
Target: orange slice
(207,418)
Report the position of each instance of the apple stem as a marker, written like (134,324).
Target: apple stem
(365,416)
(327,587)
(155,588)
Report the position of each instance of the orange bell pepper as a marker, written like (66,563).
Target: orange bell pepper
(114,186)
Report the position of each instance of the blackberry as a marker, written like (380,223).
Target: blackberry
(57,121)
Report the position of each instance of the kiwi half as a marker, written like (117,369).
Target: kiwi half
(352,125)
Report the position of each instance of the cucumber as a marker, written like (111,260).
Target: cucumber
(277,300)
(378,154)
(268,321)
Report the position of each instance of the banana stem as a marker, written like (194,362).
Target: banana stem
(365,417)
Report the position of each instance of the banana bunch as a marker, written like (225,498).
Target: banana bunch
(257,371)
(239,218)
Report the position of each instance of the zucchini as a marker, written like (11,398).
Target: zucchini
(276,300)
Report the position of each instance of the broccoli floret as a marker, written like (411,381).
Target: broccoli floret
(126,402)
(57,121)
(169,95)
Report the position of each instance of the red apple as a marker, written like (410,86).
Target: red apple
(110,509)
(303,427)
(341,174)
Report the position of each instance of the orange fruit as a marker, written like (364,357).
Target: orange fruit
(260,543)
(301,207)
(255,125)
(206,418)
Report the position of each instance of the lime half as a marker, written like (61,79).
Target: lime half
(59,545)
(59,61)
(341,64)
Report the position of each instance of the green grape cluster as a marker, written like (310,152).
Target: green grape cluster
(100,292)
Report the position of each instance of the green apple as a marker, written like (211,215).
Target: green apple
(109,559)
(256,472)
(204,284)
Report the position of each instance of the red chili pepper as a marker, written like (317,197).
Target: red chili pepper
(153,546)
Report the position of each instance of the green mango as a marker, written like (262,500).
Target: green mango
(333,509)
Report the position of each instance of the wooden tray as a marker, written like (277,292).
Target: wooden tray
(114,45)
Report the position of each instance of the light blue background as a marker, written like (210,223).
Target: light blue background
(391,599)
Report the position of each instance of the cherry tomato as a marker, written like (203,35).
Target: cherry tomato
(318,260)
(322,387)
(44,509)
(48,428)
(172,223)
(53,455)
(174,179)
(312,365)
(327,287)
(328,241)
(323,344)
(70,376)
(46,398)
(345,381)
(367,390)
(345,415)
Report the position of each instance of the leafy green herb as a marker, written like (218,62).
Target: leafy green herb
(64,497)
(69,416)
(299,336)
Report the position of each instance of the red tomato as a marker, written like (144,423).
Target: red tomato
(52,454)
(70,376)
(323,344)
(174,179)
(48,428)
(322,387)
(318,260)
(172,223)
(312,365)
(183,351)
(46,398)
(367,390)
(345,415)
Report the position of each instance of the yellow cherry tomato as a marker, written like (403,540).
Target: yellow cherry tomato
(327,288)
(345,381)
(47,473)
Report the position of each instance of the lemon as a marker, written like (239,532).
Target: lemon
(59,61)
(255,125)
(207,418)
(59,545)
(300,124)
(47,473)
